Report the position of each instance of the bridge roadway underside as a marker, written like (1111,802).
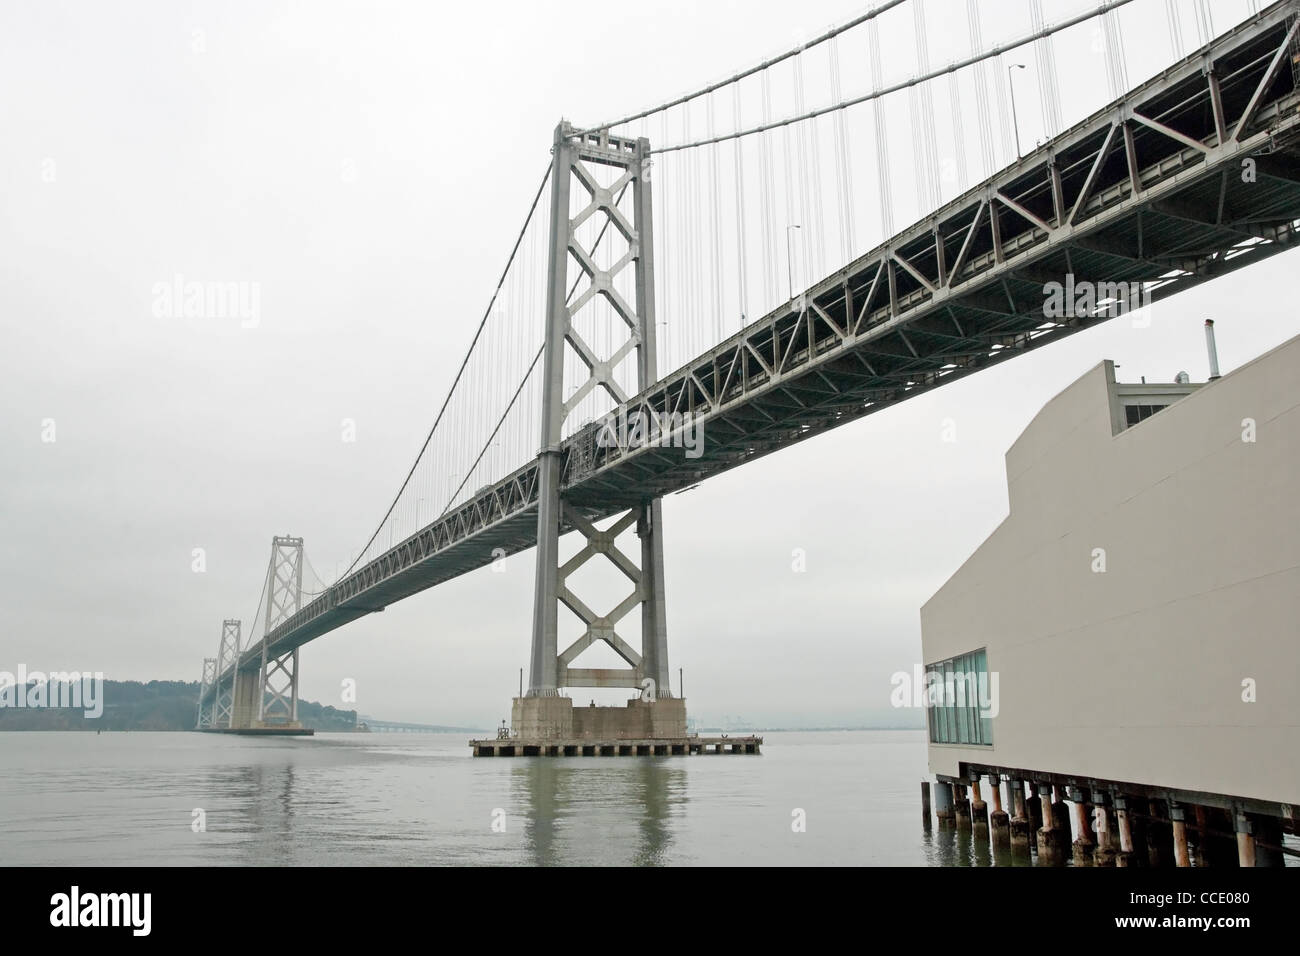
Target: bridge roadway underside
(1151,189)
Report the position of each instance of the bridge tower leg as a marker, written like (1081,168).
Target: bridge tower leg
(277,704)
(223,701)
(575,158)
(209,677)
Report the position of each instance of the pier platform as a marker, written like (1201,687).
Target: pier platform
(622,747)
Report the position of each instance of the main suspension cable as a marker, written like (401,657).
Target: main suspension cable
(461,371)
(989,54)
(757,68)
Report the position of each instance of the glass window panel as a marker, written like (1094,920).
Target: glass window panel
(961,692)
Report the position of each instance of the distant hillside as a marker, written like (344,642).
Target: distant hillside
(156,705)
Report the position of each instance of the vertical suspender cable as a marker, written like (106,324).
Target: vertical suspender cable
(767,181)
(980,79)
(739,191)
(882,151)
(843,183)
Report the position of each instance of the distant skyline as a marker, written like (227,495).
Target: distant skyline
(364,172)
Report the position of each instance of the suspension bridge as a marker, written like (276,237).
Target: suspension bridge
(742,237)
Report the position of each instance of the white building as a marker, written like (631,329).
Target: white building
(1136,617)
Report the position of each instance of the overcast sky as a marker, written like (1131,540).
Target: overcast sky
(367,165)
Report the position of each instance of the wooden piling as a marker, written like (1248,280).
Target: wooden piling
(979,811)
(1179,826)
(1104,854)
(1052,838)
(999,821)
(1199,835)
(1018,828)
(1083,844)
(1245,840)
(1125,855)
(1060,812)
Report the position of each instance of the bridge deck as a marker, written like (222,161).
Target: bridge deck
(1148,190)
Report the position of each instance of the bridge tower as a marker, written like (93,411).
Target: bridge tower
(542,711)
(206,681)
(277,704)
(223,701)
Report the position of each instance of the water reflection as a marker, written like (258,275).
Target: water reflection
(267,794)
(953,846)
(622,811)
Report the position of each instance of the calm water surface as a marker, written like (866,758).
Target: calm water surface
(356,799)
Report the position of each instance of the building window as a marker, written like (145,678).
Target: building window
(959,705)
(1140,413)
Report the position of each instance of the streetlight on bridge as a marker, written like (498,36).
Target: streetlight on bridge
(1015,122)
(789,258)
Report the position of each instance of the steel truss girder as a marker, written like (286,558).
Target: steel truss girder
(731,386)
(891,312)
(494,523)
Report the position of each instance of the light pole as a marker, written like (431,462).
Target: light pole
(1015,123)
(789,257)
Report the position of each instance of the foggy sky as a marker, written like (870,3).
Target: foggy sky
(367,165)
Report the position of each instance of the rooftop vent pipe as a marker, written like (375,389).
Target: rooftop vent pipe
(1209,345)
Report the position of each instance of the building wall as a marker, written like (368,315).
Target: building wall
(1135,674)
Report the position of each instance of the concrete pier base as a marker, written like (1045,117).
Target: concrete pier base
(553,727)
(1104,828)
(999,820)
(961,807)
(1000,828)
(1020,832)
(543,717)
(1018,836)
(1052,842)
(1084,845)
(1125,857)
(1060,812)
(1105,856)
(244,699)
(979,812)
(1034,813)
(943,805)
